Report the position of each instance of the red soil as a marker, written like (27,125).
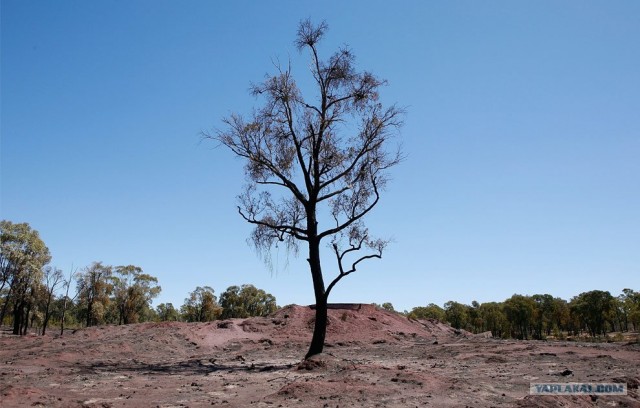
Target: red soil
(373,358)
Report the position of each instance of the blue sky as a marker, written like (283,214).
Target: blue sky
(522,137)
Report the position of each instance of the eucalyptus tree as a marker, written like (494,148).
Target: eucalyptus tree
(493,318)
(246,301)
(52,278)
(388,306)
(629,302)
(23,256)
(520,311)
(201,305)
(66,300)
(543,315)
(133,292)
(94,289)
(457,314)
(316,165)
(431,311)
(593,309)
(166,312)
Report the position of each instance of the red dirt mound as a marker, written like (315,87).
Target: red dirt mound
(351,322)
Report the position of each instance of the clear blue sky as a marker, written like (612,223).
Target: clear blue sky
(522,136)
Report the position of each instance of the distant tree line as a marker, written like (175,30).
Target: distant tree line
(595,313)
(34,295)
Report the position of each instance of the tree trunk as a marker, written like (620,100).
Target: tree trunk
(319,329)
(89,313)
(46,315)
(44,325)
(4,303)
(5,306)
(17,316)
(64,312)
(25,321)
(320,326)
(626,322)
(7,301)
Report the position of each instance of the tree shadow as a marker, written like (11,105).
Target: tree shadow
(187,367)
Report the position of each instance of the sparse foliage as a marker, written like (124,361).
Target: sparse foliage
(307,158)
(66,300)
(52,278)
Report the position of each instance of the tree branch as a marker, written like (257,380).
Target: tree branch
(298,146)
(283,228)
(354,218)
(335,193)
(286,182)
(340,256)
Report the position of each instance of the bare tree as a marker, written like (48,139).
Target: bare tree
(52,278)
(316,167)
(67,284)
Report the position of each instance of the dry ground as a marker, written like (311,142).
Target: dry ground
(373,359)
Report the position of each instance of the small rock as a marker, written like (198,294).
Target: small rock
(225,324)
(267,341)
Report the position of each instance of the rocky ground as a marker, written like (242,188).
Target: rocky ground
(373,358)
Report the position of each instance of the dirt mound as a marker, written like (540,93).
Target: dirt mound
(349,322)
